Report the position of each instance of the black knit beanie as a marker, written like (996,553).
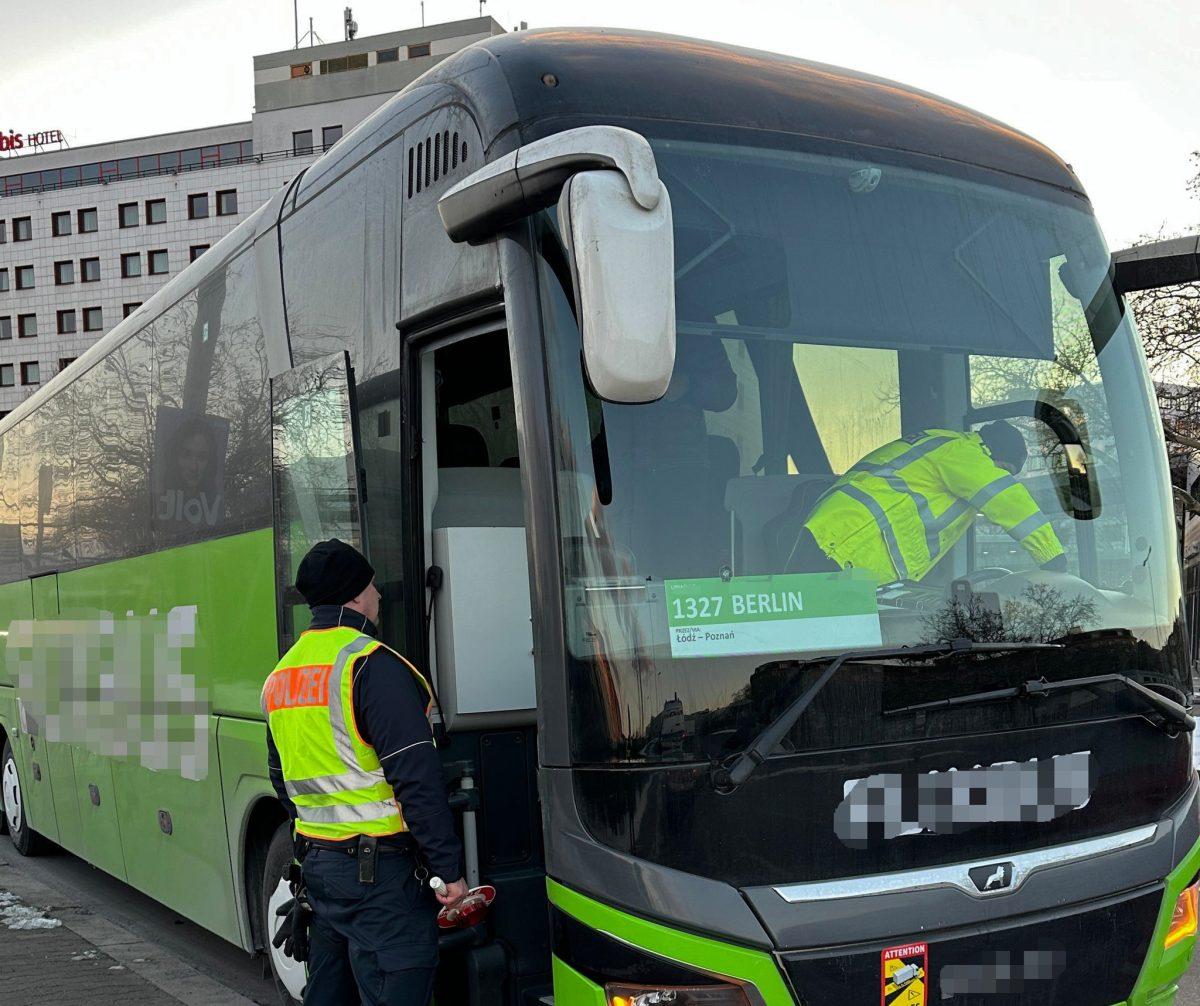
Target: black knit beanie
(333,573)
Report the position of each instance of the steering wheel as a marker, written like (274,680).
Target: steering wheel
(978,577)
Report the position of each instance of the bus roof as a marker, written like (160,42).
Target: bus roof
(601,73)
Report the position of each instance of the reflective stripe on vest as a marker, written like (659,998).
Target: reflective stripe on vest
(332,775)
(900,535)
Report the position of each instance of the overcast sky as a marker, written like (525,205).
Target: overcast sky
(1109,84)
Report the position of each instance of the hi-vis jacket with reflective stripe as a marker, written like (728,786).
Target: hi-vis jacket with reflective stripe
(904,505)
(331,774)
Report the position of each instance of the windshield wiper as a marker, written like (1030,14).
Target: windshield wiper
(728,775)
(1172,712)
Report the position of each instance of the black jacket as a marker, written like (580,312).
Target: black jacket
(389,710)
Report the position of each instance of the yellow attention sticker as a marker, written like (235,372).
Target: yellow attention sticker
(902,973)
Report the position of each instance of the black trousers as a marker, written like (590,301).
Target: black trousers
(369,943)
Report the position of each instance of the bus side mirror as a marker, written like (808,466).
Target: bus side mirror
(623,265)
(615,219)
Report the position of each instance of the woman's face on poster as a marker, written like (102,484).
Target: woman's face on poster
(192,461)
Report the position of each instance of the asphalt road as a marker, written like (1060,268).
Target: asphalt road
(109,898)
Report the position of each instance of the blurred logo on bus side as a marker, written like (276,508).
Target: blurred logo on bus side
(890,805)
(116,686)
(902,975)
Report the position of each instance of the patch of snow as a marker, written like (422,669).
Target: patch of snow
(14,915)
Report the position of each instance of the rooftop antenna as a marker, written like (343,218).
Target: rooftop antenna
(481,3)
(312,38)
(296,20)
(422,13)
(350,24)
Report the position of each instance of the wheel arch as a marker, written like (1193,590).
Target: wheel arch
(262,820)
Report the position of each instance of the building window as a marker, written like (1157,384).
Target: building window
(24,277)
(3,281)
(60,224)
(158,261)
(89,270)
(329,136)
(128,309)
(156,211)
(3,233)
(66,322)
(8,376)
(198,206)
(27,326)
(418,50)
(93,319)
(301,70)
(23,229)
(65,361)
(6,328)
(127,215)
(302,142)
(227,203)
(89,221)
(387,55)
(64,273)
(30,374)
(131,265)
(196,251)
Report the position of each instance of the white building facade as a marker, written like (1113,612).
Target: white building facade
(88,234)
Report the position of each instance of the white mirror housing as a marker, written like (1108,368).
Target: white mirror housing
(623,265)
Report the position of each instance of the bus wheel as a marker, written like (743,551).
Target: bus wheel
(289,976)
(27,841)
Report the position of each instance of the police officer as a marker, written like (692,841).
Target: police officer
(352,756)
(906,504)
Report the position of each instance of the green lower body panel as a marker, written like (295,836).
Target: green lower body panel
(1157,983)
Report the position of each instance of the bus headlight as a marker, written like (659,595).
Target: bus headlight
(676,995)
(1184,918)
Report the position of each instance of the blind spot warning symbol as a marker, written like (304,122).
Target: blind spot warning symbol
(902,975)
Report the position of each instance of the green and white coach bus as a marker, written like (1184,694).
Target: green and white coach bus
(571,336)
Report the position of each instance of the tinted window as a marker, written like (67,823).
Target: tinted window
(198,206)
(131,264)
(302,142)
(27,326)
(387,55)
(22,229)
(93,319)
(7,375)
(64,273)
(24,277)
(66,322)
(127,214)
(60,224)
(227,203)
(6,327)
(340,268)
(89,269)
(156,211)
(88,221)
(196,251)
(3,280)
(11,564)
(158,261)
(212,412)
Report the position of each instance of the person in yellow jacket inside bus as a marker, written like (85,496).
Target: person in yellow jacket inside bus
(905,505)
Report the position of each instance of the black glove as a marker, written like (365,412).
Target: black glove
(293,933)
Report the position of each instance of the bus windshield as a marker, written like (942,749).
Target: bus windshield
(907,407)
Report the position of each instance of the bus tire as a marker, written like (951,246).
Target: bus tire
(288,976)
(12,802)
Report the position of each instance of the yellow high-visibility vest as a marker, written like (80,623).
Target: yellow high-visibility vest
(906,504)
(331,774)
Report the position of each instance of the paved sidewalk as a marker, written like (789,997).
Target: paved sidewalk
(53,951)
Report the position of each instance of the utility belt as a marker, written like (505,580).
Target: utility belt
(366,849)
